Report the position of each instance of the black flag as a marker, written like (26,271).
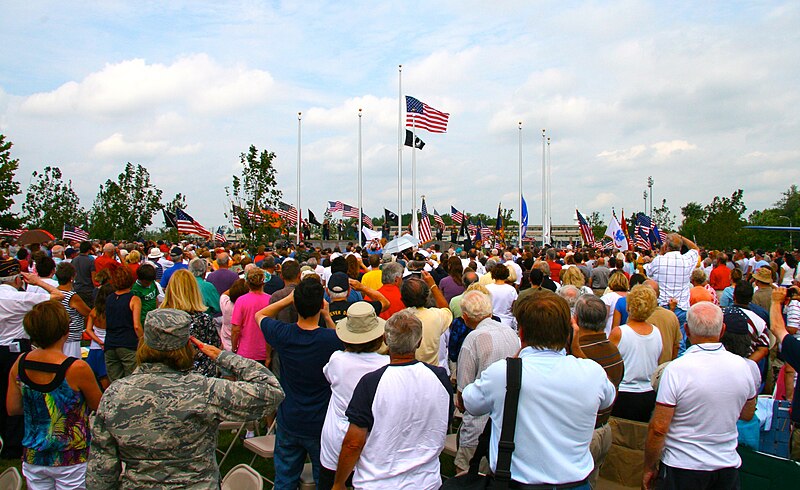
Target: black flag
(389,217)
(417,142)
(313,219)
(169,219)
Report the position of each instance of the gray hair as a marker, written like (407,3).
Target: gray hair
(198,267)
(569,293)
(508,256)
(705,319)
(698,276)
(390,272)
(591,313)
(490,264)
(403,332)
(335,296)
(476,306)
(312,262)
(223,258)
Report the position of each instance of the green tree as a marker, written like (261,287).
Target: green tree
(257,190)
(598,225)
(50,202)
(125,207)
(663,217)
(177,202)
(724,222)
(694,216)
(8,186)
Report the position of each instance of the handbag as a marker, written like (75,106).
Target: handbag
(472,480)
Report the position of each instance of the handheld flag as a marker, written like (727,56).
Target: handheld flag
(586,231)
(219,236)
(390,217)
(189,226)
(74,233)
(169,219)
(499,223)
(457,215)
(313,219)
(524,219)
(438,218)
(614,231)
(425,225)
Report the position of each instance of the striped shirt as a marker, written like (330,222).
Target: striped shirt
(596,347)
(77,323)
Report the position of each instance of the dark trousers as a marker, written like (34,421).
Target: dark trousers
(670,478)
(11,428)
(327,477)
(634,406)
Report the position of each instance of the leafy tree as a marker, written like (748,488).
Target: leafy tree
(663,217)
(694,216)
(177,202)
(50,202)
(598,225)
(125,207)
(257,190)
(724,221)
(8,186)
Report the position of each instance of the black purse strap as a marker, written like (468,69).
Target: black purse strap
(502,472)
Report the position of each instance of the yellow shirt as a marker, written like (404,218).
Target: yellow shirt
(435,321)
(372,279)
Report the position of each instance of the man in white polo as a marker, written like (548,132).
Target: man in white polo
(693,429)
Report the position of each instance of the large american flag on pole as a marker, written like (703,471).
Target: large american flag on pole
(425,225)
(219,236)
(423,116)
(349,211)
(586,230)
(288,213)
(188,225)
(367,221)
(457,215)
(335,206)
(74,233)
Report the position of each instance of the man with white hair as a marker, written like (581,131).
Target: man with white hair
(693,430)
(488,342)
(58,253)
(508,257)
(571,294)
(198,268)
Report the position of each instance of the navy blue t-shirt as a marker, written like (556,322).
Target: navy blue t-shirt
(303,354)
(790,349)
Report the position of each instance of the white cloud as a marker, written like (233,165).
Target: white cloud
(115,146)
(667,148)
(603,200)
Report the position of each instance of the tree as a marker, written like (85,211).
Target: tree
(50,202)
(598,225)
(8,186)
(694,215)
(257,190)
(724,221)
(663,217)
(177,202)
(123,209)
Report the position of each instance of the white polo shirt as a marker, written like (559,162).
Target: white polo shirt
(14,305)
(707,387)
(558,405)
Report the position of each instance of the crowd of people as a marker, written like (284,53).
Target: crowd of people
(120,360)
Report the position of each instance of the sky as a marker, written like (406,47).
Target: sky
(702,96)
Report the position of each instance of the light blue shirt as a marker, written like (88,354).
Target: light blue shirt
(558,405)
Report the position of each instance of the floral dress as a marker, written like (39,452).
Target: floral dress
(204,329)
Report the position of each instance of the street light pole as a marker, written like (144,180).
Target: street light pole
(650,186)
(644,196)
(791,247)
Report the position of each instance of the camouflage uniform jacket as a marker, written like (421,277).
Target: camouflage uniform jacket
(162,424)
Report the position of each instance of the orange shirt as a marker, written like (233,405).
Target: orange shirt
(720,277)
(392,293)
(700,293)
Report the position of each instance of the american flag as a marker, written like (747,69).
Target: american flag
(421,115)
(235,219)
(188,226)
(473,230)
(657,237)
(74,233)
(486,231)
(642,232)
(219,236)
(457,215)
(425,225)
(349,211)
(586,230)
(335,206)
(367,221)
(438,218)
(288,213)
(12,233)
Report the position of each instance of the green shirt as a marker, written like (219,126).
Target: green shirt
(210,296)
(148,295)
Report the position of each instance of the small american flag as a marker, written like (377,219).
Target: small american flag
(335,206)
(423,116)
(367,221)
(457,215)
(235,219)
(425,225)
(642,232)
(189,226)
(288,213)
(586,230)
(12,233)
(438,218)
(473,230)
(74,233)
(219,236)
(349,211)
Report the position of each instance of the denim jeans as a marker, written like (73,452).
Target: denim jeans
(290,456)
(681,314)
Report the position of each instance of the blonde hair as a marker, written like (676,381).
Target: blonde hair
(134,257)
(618,282)
(641,302)
(475,286)
(574,277)
(183,293)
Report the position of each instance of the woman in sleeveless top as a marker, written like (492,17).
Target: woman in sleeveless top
(55,394)
(123,325)
(96,330)
(640,345)
(76,308)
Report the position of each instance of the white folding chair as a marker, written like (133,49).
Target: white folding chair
(242,477)
(307,478)
(231,426)
(10,479)
(263,446)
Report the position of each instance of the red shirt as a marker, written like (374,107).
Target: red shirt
(392,293)
(555,271)
(720,277)
(104,262)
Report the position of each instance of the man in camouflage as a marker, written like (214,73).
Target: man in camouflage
(162,420)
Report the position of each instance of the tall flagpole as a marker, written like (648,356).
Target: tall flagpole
(544,190)
(299,208)
(519,189)
(414,230)
(549,202)
(360,210)
(399,150)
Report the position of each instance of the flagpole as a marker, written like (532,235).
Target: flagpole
(544,189)
(519,188)
(299,208)
(399,150)
(414,231)
(360,210)
(549,202)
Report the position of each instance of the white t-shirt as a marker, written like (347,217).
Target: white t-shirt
(610,300)
(503,297)
(702,434)
(640,355)
(343,371)
(14,305)
(788,275)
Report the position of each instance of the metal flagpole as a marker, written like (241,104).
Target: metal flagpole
(519,189)
(400,150)
(544,189)
(360,210)
(414,230)
(549,202)
(299,209)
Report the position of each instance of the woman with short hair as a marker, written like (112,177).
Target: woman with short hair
(123,325)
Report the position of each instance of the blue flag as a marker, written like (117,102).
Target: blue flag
(524,219)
